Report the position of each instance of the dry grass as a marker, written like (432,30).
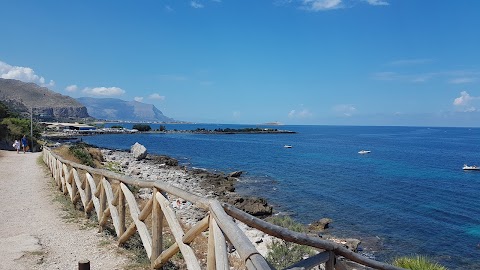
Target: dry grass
(65,153)
(97,156)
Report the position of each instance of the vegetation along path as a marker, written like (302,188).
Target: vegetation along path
(34,230)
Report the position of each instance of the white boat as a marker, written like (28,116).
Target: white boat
(287,146)
(471,168)
(362,152)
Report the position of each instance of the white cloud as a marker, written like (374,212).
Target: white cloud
(302,113)
(345,109)
(196,4)
(237,114)
(24,74)
(461,80)
(470,109)
(320,5)
(139,99)
(104,91)
(465,102)
(450,76)
(156,96)
(394,76)
(377,2)
(71,88)
(168,8)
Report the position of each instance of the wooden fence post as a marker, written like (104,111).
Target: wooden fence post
(84,265)
(211,264)
(330,264)
(157,228)
(103,205)
(121,212)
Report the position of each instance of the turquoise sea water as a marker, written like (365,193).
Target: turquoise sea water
(409,195)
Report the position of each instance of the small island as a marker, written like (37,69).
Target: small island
(240,131)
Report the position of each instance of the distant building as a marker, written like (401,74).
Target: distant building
(68,126)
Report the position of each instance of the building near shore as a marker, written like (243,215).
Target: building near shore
(67,126)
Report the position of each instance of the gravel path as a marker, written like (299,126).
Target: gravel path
(33,234)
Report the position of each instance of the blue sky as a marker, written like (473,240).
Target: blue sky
(335,62)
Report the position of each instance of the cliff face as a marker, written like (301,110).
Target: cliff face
(21,96)
(63,112)
(117,109)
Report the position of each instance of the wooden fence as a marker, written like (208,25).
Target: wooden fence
(107,194)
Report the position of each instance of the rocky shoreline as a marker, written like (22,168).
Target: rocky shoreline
(198,181)
(137,163)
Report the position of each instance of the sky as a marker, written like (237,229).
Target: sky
(315,62)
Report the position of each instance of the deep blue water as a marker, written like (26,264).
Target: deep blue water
(409,194)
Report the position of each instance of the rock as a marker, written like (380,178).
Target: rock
(165,160)
(253,206)
(352,244)
(235,174)
(139,151)
(258,240)
(320,225)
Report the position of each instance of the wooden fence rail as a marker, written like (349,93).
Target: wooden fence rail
(108,196)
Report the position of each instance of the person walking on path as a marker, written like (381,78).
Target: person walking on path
(24,143)
(16,145)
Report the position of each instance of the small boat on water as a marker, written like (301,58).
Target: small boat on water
(470,168)
(362,152)
(287,146)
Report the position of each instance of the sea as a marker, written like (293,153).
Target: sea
(408,196)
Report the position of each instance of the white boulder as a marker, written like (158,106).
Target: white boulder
(139,151)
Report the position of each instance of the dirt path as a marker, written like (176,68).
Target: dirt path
(32,233)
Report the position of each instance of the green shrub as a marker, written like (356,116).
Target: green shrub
(17,127)
(142,127)
(417,263)
(282,253)
(81,152)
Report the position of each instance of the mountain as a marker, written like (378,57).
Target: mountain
(117,109)
(47,105)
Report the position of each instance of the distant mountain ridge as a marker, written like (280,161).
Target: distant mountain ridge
(22,96)
(118,109)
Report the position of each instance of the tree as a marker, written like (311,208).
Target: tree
(17,127)
(142,127)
